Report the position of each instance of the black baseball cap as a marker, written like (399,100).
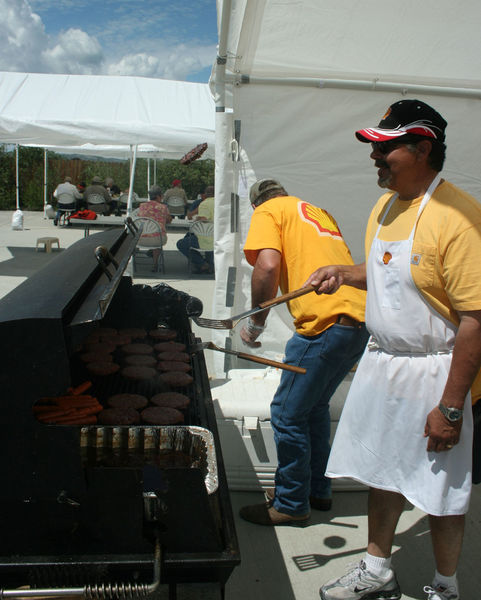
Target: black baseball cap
(406,117)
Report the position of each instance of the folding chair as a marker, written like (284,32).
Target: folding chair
(149,226)
(97,203)
(64,208)
(176,206)
(123,202)
(204,230)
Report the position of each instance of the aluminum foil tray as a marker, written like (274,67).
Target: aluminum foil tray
(136,446)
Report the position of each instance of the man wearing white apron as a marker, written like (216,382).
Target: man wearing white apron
(423,311)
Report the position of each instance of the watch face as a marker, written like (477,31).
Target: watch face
(454,414)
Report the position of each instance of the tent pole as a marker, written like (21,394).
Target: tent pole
(225,186)
(373,85)
(148,175)
(133,160)
(45,183)
(17,197)
(155,170)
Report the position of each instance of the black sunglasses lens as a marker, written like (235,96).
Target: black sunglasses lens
(384,147)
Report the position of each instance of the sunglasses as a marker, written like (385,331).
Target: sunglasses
(387,147)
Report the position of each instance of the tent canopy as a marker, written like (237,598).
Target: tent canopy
(295,78)
(166,117)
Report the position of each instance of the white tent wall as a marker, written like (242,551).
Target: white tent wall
(301,77)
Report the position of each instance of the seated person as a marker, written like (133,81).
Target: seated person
(114,193)
(194,209)
(97,197)
(112,187)
(190,240)
(176,191)
(154,209)
(68,197)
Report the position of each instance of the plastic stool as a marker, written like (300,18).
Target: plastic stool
(47,243)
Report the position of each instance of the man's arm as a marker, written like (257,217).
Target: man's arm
(328,280)
(465,365)
(264,286)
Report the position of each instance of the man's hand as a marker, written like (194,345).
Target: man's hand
(327,280)
(250,332)
(442,434)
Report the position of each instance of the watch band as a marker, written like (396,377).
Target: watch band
(451,413)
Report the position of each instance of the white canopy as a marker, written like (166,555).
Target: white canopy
(83,110)
(295,78)
(106,116)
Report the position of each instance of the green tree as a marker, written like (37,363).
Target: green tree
(195,177)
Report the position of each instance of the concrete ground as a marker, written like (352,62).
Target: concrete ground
(282,563)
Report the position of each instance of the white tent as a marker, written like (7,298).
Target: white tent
(106,115)
(295,78)
(72,110)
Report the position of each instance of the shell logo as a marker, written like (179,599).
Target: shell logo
(386,258)
(319,219)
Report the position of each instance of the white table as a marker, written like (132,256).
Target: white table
(101,222)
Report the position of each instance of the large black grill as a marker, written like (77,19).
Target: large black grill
(90,509)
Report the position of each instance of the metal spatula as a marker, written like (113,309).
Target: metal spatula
(232,322)
(252,357)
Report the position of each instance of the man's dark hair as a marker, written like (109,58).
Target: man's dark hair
(273,189)
(436,157)
(270,194)
(155,191)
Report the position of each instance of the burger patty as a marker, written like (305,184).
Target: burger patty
(124,401)
(171,399)
(176,378)
(161,415)
(119,416)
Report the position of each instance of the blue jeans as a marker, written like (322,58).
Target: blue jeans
(190,241)
(300,413)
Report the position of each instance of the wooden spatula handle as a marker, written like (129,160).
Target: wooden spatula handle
(271,363)
(287,297)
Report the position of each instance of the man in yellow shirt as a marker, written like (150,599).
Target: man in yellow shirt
(287,238)
(204,212)
(418,373)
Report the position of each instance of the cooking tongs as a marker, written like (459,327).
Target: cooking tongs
(232,322)
(252,357)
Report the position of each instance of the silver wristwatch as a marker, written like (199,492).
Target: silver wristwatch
(451,414)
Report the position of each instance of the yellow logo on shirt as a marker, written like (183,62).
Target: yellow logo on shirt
(386,258)
(415,259)
(320,219)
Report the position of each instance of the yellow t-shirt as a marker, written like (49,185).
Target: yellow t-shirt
(206,209)
(445,259)
(307,238)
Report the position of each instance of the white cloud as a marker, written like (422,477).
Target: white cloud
(25,45)
(75,52)
(172,63)
(22,35)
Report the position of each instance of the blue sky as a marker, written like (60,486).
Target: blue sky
(151,38)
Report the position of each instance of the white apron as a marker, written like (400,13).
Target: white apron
(400,379)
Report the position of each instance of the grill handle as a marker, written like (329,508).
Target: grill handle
(97,591)
(102,254)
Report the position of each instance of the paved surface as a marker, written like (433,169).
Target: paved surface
(283,563)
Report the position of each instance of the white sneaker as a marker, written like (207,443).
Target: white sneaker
(359,584)
(441,593)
